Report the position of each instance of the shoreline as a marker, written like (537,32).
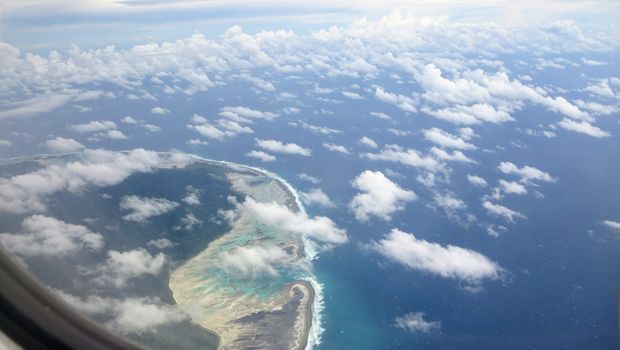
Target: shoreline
(306,313)
(307,320)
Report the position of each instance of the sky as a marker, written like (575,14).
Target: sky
(44,25)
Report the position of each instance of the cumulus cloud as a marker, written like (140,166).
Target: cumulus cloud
(527,173)
(50,237)
(492,95)
(380,115)
(245,113)
(408,157)
(120,267)
(415,322)
(309,178)
(63,145)
(262,156)
(512,187)
(449,261)
(27,192)
(455,156)
(336,148)
(367,141)
(143,208)
(192,196)
(161,243)
(321,230)
(129,120)
(352,95)
(378,196)
(221,130)
(612,224)
(403,102)
(445,139)
(279,147)
(188,222)
(131,316)
(583,128)
(502,211)
(316,196)
(252,262)
(115,135)
(94,126)
(319,129)
(476,181)
(160,110)
(469,115)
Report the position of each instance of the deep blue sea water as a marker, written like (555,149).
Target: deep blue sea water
(562,265)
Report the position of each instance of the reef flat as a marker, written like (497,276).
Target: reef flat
(269,311)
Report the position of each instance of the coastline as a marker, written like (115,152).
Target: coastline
(307,324)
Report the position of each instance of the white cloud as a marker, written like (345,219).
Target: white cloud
(367,141)
(61,144)
(50,237)
(414,322)
(500,210)
(27,192)
(152,128)
(455,156)
(316,196)
(496,92)
(309,178)
(352,95)
(5,143)
(129,120)
(35,106)
(445,139)
(449,261)
(192,196)
(409,157)
(223,129)
(94,126)
(378,196)
(403,102)
(139,316)
(188,222)
(336,148)
(252,262)
(527,173)
(380,115)
(245,112)
(319,129)
(469,115)
(197,142)
(160,110)
(583,128)
(612,224)
(115,135)
(321,230)
(476,181)
(279,147)
(590,62)
(258,82)
(262,156)
(143,208)
(512,187)
(120,267)
(601,88)
(161,243)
